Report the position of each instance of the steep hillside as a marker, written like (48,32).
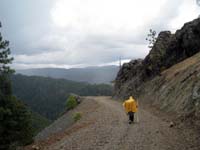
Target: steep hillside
(38,122)
(48,96)
(177,89)
(158,79)
(89,74)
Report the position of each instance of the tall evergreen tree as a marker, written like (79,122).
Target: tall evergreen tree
(15,124)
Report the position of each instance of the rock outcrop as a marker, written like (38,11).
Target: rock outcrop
(177,89)
(145,77)
(130,72)
(170,49)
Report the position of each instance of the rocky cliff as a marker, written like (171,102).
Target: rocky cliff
(163,77)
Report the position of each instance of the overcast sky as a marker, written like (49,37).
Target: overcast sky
(79,33)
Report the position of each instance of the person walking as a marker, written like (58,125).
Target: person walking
(131,107)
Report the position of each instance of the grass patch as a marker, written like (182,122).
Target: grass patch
(77,116)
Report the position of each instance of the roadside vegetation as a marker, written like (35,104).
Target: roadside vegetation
(71,102)
(77,116)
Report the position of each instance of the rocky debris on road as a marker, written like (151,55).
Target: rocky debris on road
(171,124)
(35,147)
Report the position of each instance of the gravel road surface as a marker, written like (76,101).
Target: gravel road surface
(104,126)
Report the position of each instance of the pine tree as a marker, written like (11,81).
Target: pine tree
(151,38)
(15,124)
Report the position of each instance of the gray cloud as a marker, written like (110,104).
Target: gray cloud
(37,41)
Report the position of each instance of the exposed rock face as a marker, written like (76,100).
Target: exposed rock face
(185,43)
(154,61)
(169,49)
(126,74)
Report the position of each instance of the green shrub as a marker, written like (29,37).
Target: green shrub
(71,102)
(77,116)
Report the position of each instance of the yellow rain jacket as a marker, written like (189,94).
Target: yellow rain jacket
(130,105)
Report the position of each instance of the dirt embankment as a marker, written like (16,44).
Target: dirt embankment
(104,125)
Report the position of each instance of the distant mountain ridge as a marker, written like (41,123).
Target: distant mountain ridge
(104,74)
(47,96)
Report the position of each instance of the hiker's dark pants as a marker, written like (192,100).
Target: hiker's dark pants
(131,116)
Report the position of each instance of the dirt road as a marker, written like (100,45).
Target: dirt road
(104,126)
